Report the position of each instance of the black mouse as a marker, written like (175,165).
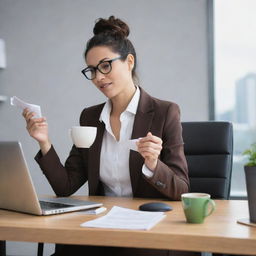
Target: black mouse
(155,207)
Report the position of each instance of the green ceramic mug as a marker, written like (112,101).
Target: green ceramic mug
(197,206)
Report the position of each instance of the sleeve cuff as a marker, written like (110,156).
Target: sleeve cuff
(39,156)
(147,172)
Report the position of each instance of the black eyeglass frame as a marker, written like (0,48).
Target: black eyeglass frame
(97,68)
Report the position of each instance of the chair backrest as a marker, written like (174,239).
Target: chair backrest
(209,153)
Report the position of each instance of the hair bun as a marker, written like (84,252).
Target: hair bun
(112,26)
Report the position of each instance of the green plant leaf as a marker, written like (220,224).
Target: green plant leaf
(251,154)
(247,152)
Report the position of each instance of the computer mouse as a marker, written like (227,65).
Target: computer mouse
(155,207)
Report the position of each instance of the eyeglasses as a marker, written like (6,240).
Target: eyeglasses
(104,67)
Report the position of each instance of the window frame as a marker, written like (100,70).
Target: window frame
(211,72)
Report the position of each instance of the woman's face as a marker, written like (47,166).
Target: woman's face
(119,79)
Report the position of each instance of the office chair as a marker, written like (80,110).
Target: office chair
(208,149)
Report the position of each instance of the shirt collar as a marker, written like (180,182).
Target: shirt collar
(105,113)
(132,106)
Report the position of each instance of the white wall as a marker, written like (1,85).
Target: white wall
(45,41)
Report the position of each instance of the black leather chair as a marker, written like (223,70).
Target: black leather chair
(208,149)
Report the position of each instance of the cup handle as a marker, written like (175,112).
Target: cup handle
(213,206)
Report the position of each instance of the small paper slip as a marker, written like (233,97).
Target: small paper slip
(132,144)
(93,211)
(15,101)
(123,218)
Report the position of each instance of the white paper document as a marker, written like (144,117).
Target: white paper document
(15,101)
(123,218)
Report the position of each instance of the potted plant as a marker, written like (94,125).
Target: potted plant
(250,176)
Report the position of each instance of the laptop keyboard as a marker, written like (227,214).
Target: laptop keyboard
(50,205)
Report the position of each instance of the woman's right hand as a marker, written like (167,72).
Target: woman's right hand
(37,129)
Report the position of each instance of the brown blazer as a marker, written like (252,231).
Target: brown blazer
(170,178)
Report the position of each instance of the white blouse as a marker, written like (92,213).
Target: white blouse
(114,159)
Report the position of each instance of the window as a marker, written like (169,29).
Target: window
(235,77)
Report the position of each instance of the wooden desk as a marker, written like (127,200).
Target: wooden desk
(220,232)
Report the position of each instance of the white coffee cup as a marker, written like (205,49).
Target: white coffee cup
(83,136)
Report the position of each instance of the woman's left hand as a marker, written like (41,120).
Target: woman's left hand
(150,148)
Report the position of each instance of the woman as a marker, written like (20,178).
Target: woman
(157,170)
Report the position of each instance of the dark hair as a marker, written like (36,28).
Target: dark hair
(113,33)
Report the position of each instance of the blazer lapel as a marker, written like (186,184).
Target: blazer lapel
(142,124)
(93,168)
(94,160)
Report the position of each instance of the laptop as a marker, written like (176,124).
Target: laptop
(17,191)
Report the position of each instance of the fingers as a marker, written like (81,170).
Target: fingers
(36,122)
(151,138)
(150,142)
(27,114)
(29,117)
(150,146)
(33,124)
(37,126)
(150,149)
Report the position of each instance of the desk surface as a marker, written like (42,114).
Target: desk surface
(220,232)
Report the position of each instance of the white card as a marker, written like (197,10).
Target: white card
(15,101)
(132,144)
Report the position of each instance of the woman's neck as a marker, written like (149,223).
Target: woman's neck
(122,100)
